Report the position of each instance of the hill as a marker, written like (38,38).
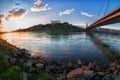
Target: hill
(59,27)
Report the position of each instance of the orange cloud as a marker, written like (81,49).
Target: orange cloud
(15,14)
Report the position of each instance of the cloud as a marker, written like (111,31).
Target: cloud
(15,14)
(17,4)
(86,14)
(1,17)
(66,12)
(38,6)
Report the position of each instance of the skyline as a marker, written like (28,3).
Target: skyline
(26,13)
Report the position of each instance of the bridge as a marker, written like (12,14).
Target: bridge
(110,18)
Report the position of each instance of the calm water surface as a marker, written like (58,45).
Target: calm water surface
(63,47)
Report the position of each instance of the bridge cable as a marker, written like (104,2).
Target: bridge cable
(101,7)
(107,7)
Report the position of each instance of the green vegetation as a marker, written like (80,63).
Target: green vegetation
(7,71)
(5,48)
(46,76)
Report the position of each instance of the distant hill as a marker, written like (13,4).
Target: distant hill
(105,31)
(59,27)
(66,27)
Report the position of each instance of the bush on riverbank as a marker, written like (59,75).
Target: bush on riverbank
(7,71)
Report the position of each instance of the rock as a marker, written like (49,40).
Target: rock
(117,77)
(101,73)
(29,63)
(15,52)
(116,72)
(107,77)
(97,77)
(112,68)
(118,66)
(75,74)
(98,68)
(113,64)
(23,76)
(79,62)
(88,74)
(31,69)
(85,67)
(70,64)
(47,69)
(62,77)
(13,60)
(7,56)
(40,65)
(90,65)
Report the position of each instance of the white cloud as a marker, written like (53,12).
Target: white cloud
(15,14)
(86,14)
(66,12)
(38,6)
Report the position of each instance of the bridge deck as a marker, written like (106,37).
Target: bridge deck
(110,18)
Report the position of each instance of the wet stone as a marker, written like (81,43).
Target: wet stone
(40,65)
(75,73)
(7,56)
(13,60)
(29,63)
(23,76)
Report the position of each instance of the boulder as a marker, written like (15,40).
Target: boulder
(40,65)
(107,77)
(85,67)
(29,63)
(117,77)
(75,74)
(13,60)
(101,73)
(118,66)
(70,64)
(113,64)
(88,74)
(113,69)
(15,52)
(32,69)
(62,77)
(7,57)
(79,62)
(23,76)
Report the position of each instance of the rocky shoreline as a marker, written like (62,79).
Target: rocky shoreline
(38,68)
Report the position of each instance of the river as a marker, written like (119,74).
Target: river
(63,47)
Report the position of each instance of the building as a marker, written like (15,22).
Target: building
(55,22)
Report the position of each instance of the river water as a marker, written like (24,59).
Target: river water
(63,47)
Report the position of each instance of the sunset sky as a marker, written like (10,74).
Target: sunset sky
(15,14)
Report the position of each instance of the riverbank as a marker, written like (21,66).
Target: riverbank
(17,64)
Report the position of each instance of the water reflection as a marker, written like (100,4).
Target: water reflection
(36,53)
(106,48)
(72,46)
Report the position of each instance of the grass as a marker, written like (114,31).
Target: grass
(7,71)
(46,76)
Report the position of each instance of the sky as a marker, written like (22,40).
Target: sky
(16,14)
